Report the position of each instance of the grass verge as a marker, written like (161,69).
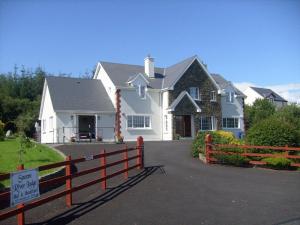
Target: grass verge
(33,157)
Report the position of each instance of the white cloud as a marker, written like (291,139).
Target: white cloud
(291,92)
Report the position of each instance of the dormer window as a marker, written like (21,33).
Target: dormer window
(229,97)
(142,91)
(194,93)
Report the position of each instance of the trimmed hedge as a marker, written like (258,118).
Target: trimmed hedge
(236,160)
(219,137)
(278,163)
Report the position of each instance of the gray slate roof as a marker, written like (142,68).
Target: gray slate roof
(120,74)
(164,77)
(265,92)
(223,83)
(78,94)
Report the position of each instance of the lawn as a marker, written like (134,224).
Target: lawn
(33,157)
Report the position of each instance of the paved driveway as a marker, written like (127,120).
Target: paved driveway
(177,189)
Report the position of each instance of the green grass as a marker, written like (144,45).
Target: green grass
(33,157)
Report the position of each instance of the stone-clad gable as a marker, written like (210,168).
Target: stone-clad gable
(195,76)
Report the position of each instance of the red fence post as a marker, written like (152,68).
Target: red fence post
(140,151)
(103,171)
(68,181)
(21,216)
(126,162)
(208,147)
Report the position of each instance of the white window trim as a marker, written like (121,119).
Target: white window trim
(44,125)
(198,97)
(213,122)
(139,128)
(51,124)
(211,94)
(231,96)
(233,117)
(140,91)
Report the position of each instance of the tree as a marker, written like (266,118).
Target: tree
(260,110)
(273,132)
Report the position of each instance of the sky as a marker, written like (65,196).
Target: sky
(249,42)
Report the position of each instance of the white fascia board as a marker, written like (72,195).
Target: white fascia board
(43,99)
(138,75)
(97,70)
(179,98)
(85,112)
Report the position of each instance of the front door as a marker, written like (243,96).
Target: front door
(86,127)
(183,125)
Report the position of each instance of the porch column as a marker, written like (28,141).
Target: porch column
(118,114)
(96,126)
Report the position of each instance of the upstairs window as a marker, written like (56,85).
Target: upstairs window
(213,96)
(44,125)
(229,97)
(141,91)
(194,93)
(271,100)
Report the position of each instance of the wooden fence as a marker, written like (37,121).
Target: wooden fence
(247,151)
(67,178)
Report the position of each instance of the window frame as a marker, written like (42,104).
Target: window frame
(236,121)
(144,121)
(212,123)
(213,96)
(230,97)
(51,123)
(198,97)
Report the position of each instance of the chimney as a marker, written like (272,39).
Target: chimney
(149,66)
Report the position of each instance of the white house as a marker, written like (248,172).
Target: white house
(254,93)
(133,100)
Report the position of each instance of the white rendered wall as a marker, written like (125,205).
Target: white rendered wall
(47,134)
(167,125)
(251,96)
(67,125)
(132,104)
(108,84)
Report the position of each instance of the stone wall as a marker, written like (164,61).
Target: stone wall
(195,76)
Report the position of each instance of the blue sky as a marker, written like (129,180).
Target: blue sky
(255,42)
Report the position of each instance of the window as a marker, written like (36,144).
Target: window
(271,100)
(229,97)
(213,96)
(166,123)
(207,123)
(50,123)
(141,91)
(194,93)
(44,125)
(138,122)
(230,122)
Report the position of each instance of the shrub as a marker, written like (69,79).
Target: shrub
(219,137)
(2,135)
(278,163)
(236,160)
(273,132)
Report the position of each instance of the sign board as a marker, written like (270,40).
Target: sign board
(88,157)
(24,186)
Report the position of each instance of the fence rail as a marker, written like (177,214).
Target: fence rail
(212,148)
(69,189)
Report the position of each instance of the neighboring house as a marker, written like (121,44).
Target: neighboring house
(156,103)
(254,93)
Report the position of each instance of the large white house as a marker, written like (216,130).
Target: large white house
(131,100)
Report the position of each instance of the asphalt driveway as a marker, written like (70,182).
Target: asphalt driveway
(177,189)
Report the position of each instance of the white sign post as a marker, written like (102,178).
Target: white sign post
(24,186)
